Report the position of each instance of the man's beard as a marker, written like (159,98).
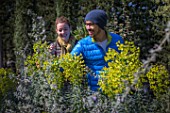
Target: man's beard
(95,35)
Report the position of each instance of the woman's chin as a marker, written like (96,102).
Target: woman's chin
(64,38)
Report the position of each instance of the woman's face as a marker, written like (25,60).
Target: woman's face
(63,30)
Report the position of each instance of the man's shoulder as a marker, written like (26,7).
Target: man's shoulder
(116,37)
(81,44)
(86,39)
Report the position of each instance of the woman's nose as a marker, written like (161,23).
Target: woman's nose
(62,31)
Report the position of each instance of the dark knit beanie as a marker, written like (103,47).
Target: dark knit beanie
(98,17)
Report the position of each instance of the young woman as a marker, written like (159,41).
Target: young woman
(65,41)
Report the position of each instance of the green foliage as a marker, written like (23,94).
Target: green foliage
(37,28)
(73,66)
(43,62)
(141,21)
(21,40)
(80,32)
(122,74)
(144,103)
(42,87)
(160,17)
(7,31)
(46,88)
(47,11)
(7,83)
(157,78)
(122,67)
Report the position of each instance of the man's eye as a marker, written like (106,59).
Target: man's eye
(89,24)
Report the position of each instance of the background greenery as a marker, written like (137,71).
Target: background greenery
(24,23)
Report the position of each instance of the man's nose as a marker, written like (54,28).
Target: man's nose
(87,26)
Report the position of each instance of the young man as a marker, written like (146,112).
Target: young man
(94,47)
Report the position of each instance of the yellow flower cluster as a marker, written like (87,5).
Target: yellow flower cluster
(73,68)
(159,79)
(57,70)
(122,67)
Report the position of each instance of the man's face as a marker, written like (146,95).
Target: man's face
(93,29)
(63,30)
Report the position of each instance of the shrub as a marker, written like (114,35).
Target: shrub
(122,67)
(159,80)
(7,82)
